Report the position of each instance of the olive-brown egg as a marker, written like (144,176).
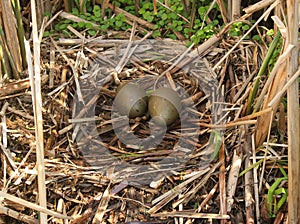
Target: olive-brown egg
(131,100)
(164,106)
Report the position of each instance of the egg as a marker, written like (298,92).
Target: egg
(164,106)
(131,100)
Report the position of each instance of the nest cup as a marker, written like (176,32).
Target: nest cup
(179,145)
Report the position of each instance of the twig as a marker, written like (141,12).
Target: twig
(248,183)
(222,182)
(255,184)
(258,6)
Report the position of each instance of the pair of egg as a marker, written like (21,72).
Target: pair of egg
(163,104)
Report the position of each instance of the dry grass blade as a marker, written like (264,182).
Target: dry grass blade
(263,121)
(102,206)
(33,206)
(18,216)
(188,214)
(168,196)
(35,82)
(233,178)
(191,194)
(284,89)
(75,18)
(255,179)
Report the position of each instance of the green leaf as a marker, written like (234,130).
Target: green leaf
(99,19)
(178,28)
(130,9)
(142,11)
(245,27)
(161,23)
(92,32)
(173,36)
(173,15)
(201,34)
(104,27)
(82,16)
(46,33)
(47,14)
(67,21)
(88,25)
(63,26)
(202,10)
(156,26)
(96,8)
(195,39)
(148,5)
(186,30)
(180,8)
(156,33)
(97,14)
(164,16)
(270,32)
(81,24)
(148,16)
(119,23)
(75,11)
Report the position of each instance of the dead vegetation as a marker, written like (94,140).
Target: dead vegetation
(224,161)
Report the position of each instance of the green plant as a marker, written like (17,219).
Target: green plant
(93,16)
(276,196)
(170,21)
(238,29)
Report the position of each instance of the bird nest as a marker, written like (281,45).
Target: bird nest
(136,150)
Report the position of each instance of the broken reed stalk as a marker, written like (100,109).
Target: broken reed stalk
(2,63)
(7,57)
(293,116)
(20,30)
(35,81)
(9,40)
(236,10)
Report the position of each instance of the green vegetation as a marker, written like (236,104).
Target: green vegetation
(116,22)
(195,23)
(277,196)
(172,21)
